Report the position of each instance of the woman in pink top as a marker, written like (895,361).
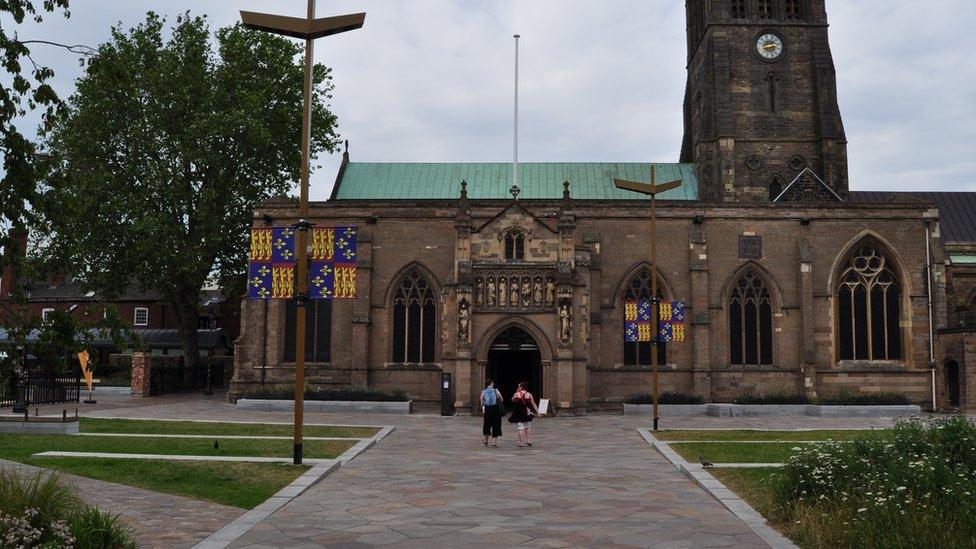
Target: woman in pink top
(523,409)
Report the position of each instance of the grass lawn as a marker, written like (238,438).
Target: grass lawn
(21,447)
(101,425)
(756,486)
(730,452)
(243,485)
(766,435)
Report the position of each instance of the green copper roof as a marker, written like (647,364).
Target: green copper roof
(540,180)
(963,259)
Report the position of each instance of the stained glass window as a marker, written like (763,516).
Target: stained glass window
(414,320)
(869,308)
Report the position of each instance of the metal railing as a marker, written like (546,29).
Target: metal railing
(178,379)
(36,388)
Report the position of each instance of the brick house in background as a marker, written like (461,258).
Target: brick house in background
(140,310)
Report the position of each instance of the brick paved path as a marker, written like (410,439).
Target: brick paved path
(159,520)
(588,481)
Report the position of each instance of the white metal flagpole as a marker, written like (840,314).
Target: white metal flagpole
(515,164)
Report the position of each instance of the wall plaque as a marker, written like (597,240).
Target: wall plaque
(750,247)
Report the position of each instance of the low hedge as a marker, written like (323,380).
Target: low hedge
(341,395)
(843,398)
(666,398)
(847,398)
(771,398)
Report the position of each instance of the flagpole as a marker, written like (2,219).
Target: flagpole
(515,163)
(657,304)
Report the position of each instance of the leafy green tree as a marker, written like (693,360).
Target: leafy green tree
(23,88)
(164,150)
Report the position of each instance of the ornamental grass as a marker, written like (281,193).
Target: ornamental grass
(914,488)
(39,510)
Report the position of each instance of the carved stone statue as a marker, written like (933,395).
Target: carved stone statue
(565,324)
(585,323)
(537,293)
(464,320)
(502,291)
(514,301)
(526,292)
(550,292)
(479,292)
(491,292)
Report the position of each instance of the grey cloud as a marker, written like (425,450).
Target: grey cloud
(431,80)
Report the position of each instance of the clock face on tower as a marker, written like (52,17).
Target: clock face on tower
(769,46)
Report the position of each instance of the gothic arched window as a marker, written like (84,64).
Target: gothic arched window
(738,9)
(514,246)
(765,9)
(318,330)
(792,9)
(775,188)
(869,308)
(414,320)
(750,322)
(638,353)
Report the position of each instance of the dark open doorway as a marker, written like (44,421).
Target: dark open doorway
(952,381)
(512,358)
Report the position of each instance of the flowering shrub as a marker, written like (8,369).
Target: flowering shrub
(914,488)
(41,511)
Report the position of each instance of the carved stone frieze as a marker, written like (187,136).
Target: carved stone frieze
(514,288)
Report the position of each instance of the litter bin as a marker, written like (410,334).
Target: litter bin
(447,403)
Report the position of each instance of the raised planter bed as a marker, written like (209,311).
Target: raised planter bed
(766,410)
(671,410)
(333,406)
(38,425)
(109,390)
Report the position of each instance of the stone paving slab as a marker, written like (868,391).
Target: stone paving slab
(159,520)
(590,481)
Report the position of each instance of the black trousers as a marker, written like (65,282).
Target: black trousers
(493,422)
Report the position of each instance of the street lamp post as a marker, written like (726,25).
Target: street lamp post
(212,326)
(307,29)
(653,190)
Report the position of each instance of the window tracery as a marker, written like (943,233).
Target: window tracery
(750,322)
(414,320)
(869,308)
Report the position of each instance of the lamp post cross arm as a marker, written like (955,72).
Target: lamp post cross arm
(304,28)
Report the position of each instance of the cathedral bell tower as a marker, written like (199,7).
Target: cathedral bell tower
(761,101)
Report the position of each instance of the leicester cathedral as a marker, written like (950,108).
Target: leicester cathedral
(794,282)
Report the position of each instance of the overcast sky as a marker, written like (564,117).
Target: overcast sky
(602,80)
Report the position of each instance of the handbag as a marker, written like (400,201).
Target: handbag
(501,405)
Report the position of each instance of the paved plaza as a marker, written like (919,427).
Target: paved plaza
(587,481)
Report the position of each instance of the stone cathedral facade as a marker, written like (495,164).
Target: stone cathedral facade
(795,284)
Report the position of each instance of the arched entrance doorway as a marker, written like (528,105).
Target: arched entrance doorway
(952,381)
(514,357)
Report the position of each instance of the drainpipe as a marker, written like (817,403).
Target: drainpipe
(928,284)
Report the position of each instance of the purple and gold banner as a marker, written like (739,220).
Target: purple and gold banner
(639,320)
(333,274)
(271,269)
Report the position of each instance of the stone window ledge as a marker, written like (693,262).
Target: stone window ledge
(308,366)
(871,366)
(412,366)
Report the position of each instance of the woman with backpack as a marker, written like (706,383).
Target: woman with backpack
(491,401)
(523,410)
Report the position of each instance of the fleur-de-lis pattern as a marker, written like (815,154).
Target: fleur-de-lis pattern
(638,321)
(271,271)
(333,263)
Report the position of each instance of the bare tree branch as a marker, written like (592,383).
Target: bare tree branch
(80,49)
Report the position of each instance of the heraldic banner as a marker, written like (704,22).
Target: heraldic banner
(639,319)
(333,274)
(271,270)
